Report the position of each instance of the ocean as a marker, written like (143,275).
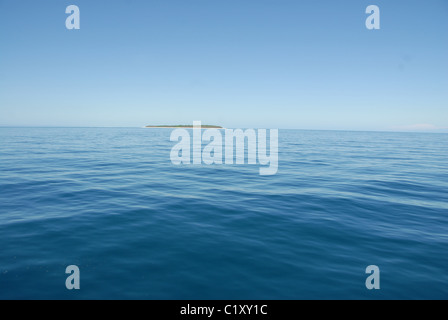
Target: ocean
(110,201)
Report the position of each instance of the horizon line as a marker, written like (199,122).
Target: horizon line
(436,131)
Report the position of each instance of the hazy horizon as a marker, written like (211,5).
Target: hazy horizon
(444,131)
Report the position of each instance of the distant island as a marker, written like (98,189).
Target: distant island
(207,126)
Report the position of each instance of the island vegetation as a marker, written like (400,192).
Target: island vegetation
(204,126)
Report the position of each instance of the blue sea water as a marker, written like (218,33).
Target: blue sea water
(110,201)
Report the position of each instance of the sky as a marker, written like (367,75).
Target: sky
(308,64)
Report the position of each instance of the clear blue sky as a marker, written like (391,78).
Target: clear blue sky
(237,63)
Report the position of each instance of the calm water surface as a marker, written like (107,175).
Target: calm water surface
(110,201)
